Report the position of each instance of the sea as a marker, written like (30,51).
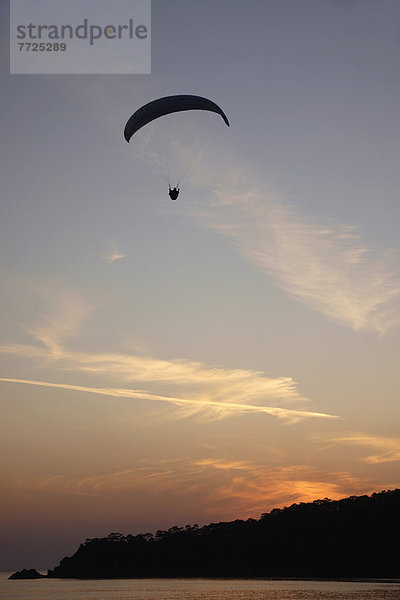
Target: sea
(196,589)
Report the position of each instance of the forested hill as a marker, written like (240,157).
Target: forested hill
(353,537)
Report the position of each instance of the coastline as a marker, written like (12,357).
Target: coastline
(5,575)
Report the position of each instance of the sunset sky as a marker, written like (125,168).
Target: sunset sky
(166,363)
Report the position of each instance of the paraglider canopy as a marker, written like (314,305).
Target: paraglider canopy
(165,106)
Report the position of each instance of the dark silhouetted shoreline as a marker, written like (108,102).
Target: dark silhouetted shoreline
(356,537)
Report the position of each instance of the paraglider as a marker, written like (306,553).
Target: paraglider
(165,106)
(173,193)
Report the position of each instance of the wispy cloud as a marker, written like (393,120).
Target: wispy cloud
(157,475)
(223,488)
(114,254)
(249,488)
(379,449)
(196,388)
(69,309)
(328,268)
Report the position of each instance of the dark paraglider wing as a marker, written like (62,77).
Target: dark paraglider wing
(164,106)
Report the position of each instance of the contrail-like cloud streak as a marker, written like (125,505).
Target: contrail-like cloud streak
(225,407)
(196,388)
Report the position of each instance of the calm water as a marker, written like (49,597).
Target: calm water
(195,589)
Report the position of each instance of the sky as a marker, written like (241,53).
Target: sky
(170,363)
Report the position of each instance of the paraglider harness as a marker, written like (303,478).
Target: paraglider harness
(174,192)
